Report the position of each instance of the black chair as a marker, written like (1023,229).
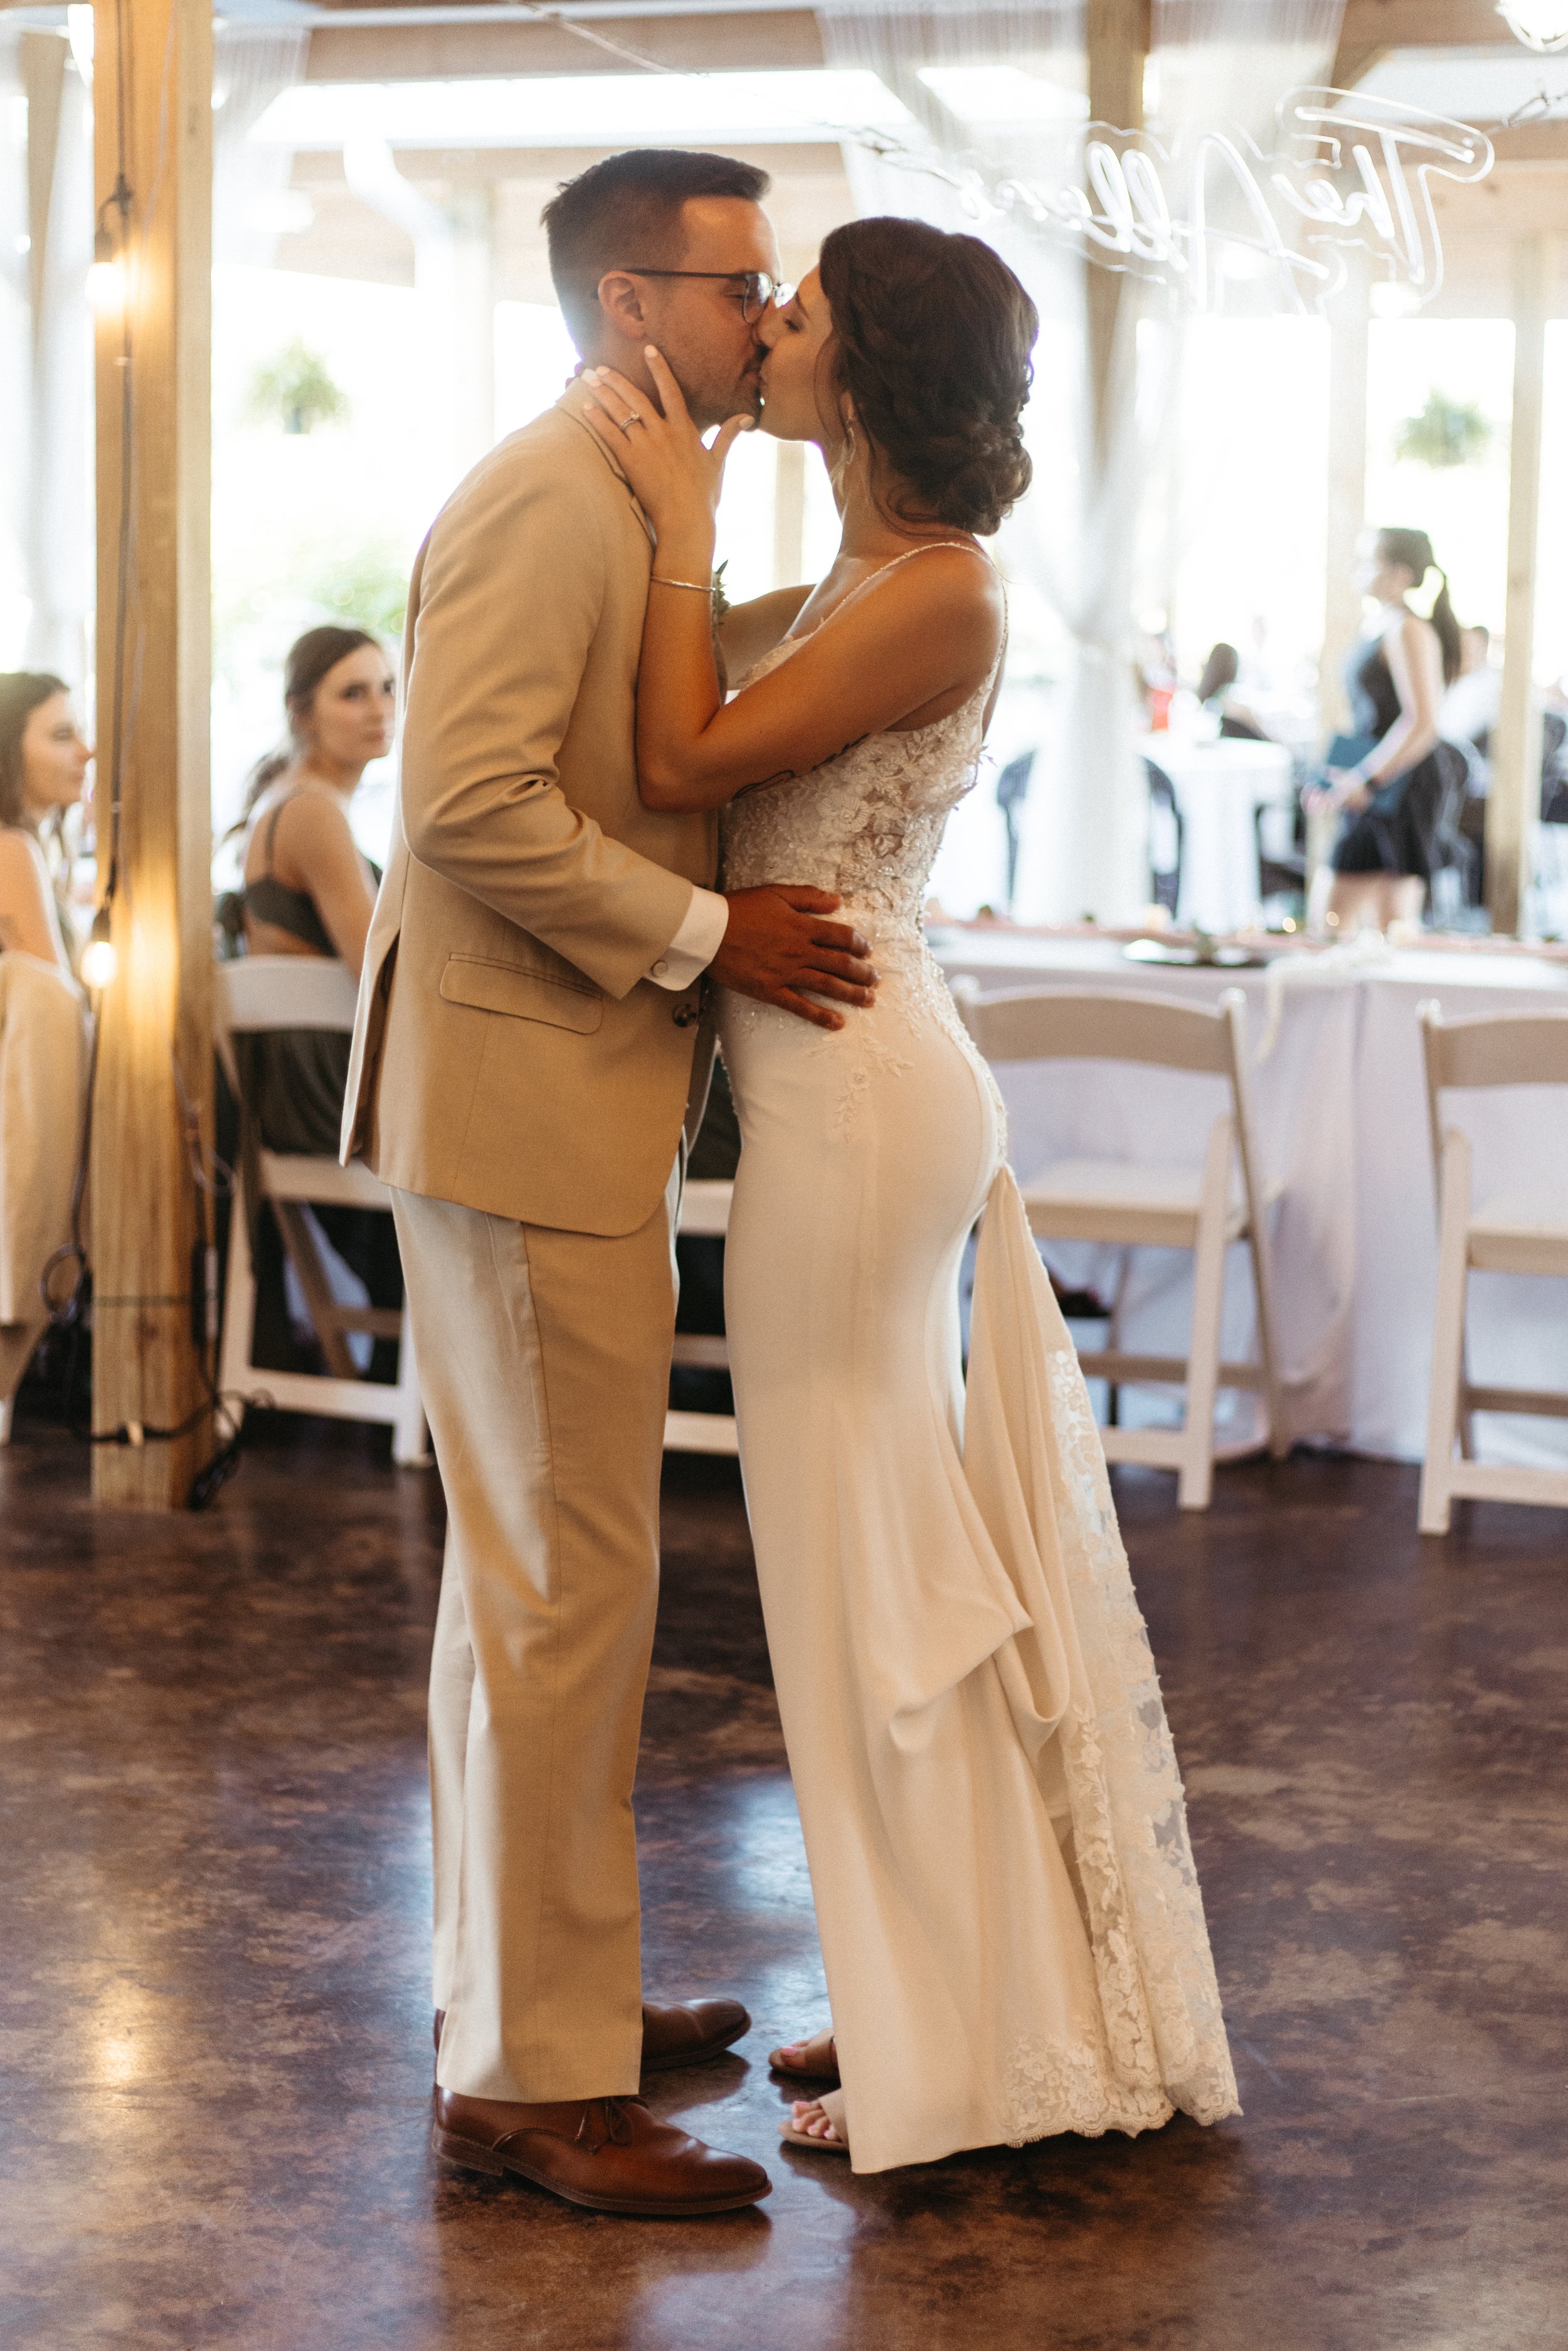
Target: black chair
(1166,833)
(1451,850)
(1279,832)
(1554,769)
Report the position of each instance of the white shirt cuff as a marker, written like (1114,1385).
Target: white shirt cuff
(696,944)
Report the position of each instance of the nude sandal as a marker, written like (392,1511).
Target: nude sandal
(821,2048)
(832,2104)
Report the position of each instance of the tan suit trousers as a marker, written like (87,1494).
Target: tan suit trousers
(544,1361)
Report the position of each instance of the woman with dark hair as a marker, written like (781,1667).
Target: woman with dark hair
(1392,782)
(43,766)
(1216,691)
(1011,1929)
(307,891)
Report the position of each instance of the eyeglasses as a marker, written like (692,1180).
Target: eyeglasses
(758,289)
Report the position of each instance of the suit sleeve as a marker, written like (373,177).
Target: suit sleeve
(510,591)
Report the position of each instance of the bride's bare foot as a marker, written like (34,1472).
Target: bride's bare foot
(819,2123)
(816,2060)
(811,2119)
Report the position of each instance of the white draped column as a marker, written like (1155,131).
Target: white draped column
(50,360)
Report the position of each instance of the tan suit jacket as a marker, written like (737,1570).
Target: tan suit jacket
(509,1053)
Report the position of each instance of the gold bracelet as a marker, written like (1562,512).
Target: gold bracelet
(655,579)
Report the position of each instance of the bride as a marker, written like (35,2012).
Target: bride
(1012,1927)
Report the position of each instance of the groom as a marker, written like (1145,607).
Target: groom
(523,1060)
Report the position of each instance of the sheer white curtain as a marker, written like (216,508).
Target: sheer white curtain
(48,347)
(16,341)
(252,65)
(999,92)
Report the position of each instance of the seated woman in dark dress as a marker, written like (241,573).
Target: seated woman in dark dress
(1391,799)
(307,891)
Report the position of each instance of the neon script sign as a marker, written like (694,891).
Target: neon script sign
(1352,171)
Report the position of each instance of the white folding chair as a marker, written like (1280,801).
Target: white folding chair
(1164,1204)
(259,992)
(1521,1230)
(705,1209)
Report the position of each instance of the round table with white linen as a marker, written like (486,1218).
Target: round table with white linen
(1340,1104)
(1218,786)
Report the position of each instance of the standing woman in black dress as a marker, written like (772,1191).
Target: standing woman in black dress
(1391,799)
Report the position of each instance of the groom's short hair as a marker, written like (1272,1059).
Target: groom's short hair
(626,212)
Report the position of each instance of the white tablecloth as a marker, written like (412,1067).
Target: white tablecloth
(1217,786)
(1340,1103)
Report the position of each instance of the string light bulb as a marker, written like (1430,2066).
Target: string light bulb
(1541,25)
(106,277)
(100,959)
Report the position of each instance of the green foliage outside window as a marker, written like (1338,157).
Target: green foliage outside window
(297,390)
(1446,432)
(261,603)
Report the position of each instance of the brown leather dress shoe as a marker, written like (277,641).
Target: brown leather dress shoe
(607,2153)
(689,2032)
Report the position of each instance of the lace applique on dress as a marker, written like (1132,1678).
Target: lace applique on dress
(1070,2087)
(867,824)
(1158,1992)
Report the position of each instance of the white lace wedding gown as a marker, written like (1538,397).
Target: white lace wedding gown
(1010,1923)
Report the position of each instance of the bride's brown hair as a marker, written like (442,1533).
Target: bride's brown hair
(932,338)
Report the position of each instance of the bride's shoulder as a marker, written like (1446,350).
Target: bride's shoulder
(948,584)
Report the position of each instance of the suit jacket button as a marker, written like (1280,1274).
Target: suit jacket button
(684,1015)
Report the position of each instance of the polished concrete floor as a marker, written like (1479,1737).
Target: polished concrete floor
(215,2015)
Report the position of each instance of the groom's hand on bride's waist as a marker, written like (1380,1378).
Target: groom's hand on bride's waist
(781,947)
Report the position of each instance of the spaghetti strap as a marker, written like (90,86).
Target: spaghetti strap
(859,589)
(270,842)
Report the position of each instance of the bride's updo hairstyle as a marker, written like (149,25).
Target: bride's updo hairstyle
(932,337)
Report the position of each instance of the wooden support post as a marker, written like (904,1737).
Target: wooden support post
(152,81)
(1117,33)
(1513,804)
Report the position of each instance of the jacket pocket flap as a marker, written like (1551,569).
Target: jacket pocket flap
(526,995)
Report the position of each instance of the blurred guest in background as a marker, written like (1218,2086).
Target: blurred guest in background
(43,1033)
(1216,692)
(1468,717)
(1012,791)
(43,766)
(307,891)
(1470,704)
(1389,779)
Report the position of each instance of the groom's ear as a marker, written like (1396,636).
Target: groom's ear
(621,308)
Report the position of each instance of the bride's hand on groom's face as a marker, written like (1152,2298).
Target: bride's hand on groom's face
(676,477)
(780,948)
